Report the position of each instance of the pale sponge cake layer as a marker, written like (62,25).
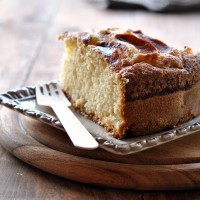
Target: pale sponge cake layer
(92,87)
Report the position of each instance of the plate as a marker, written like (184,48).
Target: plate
(24,101)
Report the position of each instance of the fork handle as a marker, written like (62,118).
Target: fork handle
(78,134)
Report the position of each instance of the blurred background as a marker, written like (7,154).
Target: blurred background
(28,30)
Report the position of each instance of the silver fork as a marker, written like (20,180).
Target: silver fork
(53,96)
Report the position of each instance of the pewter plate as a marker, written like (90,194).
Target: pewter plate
(24,102)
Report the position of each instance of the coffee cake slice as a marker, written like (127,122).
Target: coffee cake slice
(129,82)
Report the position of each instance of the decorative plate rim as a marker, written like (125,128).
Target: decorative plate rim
(12,99)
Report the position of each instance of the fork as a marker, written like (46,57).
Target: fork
(52,95)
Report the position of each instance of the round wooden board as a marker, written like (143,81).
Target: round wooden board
(172,166)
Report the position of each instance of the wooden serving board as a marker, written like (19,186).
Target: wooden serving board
(172,166)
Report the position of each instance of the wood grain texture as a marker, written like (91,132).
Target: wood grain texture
(23,31)
(97,171)
(30,54)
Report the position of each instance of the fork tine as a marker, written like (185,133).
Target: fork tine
(53,90)
(46,90)
(61,94)
(37,90)
(40,97)
(39,94)
(57,88)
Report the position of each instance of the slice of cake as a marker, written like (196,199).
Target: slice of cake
(129,82)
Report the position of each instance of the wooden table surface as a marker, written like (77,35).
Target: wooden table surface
(30,54)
